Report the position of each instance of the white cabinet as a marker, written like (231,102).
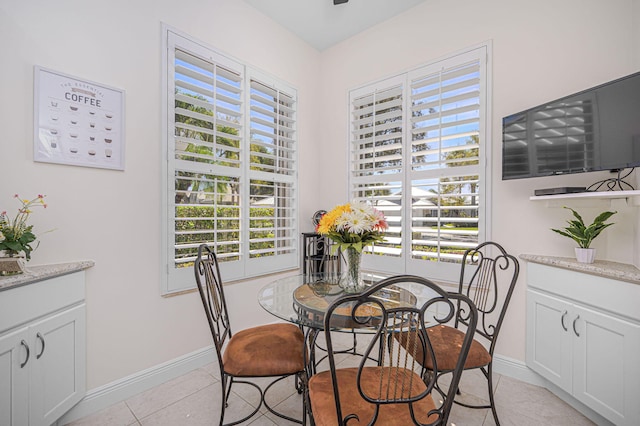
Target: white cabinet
(14,380)
(583,335)
(549,341)
(42,350)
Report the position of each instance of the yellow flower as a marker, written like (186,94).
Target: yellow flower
(328,220)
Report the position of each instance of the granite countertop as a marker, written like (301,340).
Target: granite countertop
(602,268)
(43,272)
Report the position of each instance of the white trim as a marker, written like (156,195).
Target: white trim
(486,234)
(164,158)
(517,369)
(105,396)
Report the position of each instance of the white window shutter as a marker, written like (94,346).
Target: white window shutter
(417,154)
(231,166)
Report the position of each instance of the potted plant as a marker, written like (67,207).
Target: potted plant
(16,236)
(584,235)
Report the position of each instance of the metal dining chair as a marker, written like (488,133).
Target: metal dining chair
(488,276)
(389,387)
(273,350)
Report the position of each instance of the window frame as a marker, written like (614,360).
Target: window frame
(176,280)
(404,263)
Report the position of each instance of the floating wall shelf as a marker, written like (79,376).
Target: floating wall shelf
(632,197)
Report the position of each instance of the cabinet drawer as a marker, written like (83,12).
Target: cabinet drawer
(29,302)
(618,297)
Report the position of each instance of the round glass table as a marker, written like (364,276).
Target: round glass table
(303,300)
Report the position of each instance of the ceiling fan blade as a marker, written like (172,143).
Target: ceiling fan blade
(339,1)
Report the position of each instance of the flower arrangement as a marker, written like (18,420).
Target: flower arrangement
(353,225)
(15,235)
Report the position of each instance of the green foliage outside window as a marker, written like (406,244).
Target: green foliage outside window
(224,226)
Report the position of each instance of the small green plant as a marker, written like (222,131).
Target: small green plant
(581,233)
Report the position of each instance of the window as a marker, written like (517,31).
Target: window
(231,165)
(418,150)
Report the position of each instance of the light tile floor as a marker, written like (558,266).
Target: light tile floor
(194,399)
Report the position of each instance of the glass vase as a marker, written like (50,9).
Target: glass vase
(351,281)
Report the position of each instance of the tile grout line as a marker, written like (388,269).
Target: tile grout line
(132,413)
(139,420)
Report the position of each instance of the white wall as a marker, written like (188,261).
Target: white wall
(541,51)
(112,217)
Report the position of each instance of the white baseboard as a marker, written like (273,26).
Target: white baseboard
(517,369)
(120,390)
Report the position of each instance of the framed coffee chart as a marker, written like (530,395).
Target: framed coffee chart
(77,122)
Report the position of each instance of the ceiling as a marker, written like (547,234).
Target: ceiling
(323,24)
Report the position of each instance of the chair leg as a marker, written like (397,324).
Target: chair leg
(226,392)
(284,416)
(491,398)
(302,378)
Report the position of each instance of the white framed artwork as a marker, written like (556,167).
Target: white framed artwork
(77,122)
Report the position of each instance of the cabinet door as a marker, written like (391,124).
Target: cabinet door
(15,357)
(549,344)
(606,368)
(58,369)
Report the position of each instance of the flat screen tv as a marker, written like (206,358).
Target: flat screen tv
(596,129)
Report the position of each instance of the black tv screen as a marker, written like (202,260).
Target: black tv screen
(596,129)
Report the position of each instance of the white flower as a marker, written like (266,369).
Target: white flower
(357,222)
(342,222)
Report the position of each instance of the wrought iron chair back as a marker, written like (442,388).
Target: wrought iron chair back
(211,290)
(493,265)
(393,388)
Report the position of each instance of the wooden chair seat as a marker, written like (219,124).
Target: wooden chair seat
(406,382)
(264,351)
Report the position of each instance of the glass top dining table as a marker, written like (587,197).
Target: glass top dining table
(303,299)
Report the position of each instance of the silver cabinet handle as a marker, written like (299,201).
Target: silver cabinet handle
(39,337)
(574,326)
(23,343)
(564,314)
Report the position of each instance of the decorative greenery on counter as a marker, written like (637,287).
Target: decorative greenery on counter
(15,235)
(581,233)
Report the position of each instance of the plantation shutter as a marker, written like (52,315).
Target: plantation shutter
(445,158)
(417,154)
(208,116)
(231,165)
(272,171)
(377,163)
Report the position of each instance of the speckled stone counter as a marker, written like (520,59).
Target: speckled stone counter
(602,268)
(43,272)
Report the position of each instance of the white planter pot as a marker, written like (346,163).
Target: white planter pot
(585,255)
